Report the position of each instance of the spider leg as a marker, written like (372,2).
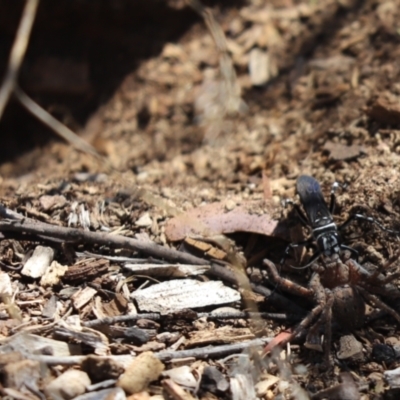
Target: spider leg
(387,279)
(325,298)
(320,298)
(286,284)
(304,324)
(313,339)
(360,217)
(370,298)
(375,276)
(327,316)
(359,275)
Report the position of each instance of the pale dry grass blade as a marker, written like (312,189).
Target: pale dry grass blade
(17,52)
(60,129)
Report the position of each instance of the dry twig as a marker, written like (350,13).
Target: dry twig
(59,128)
(15,222)
(10,84)
(17,52)
(209,316)
(234,102)
(166,355)
(211,352)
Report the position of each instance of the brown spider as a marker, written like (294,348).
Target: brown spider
(339,288)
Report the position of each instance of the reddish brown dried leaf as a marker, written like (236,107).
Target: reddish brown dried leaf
(220,218)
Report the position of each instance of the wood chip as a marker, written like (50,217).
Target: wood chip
(83,296)
(39,262)
(207,248)
(176,295)
(385,109)
(167,270)
(27,344)
(53,274)
(52,202)
(225,334)
(392,377)
(339,152)
(18,374)
(116,306)
(5,284)
(106,394)
(175,391)
(261,66)
(144,221)
(265,384)
(86,269)
(182,376)
(350,349)
(69,385)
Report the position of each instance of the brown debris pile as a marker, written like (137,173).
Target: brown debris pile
(122,285)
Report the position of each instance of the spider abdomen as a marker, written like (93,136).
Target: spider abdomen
(348,307)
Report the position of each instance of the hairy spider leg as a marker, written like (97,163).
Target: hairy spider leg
(365,284)
(384,267)
(326,318)
(374,300)
(360,217)
(324,302)
(287,284)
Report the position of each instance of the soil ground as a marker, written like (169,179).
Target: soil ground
(148,98)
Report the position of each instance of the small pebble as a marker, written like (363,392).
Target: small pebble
(69,385)
(144,221)
(144,369)
(39,262)
(230,205)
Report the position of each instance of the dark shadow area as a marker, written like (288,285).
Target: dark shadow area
(79,53)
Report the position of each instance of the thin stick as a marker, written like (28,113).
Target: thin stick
(212,352)
(202,353)
(234,102)
(42,115)
(210,316)
(15,222)
(17,52)
(18,223)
